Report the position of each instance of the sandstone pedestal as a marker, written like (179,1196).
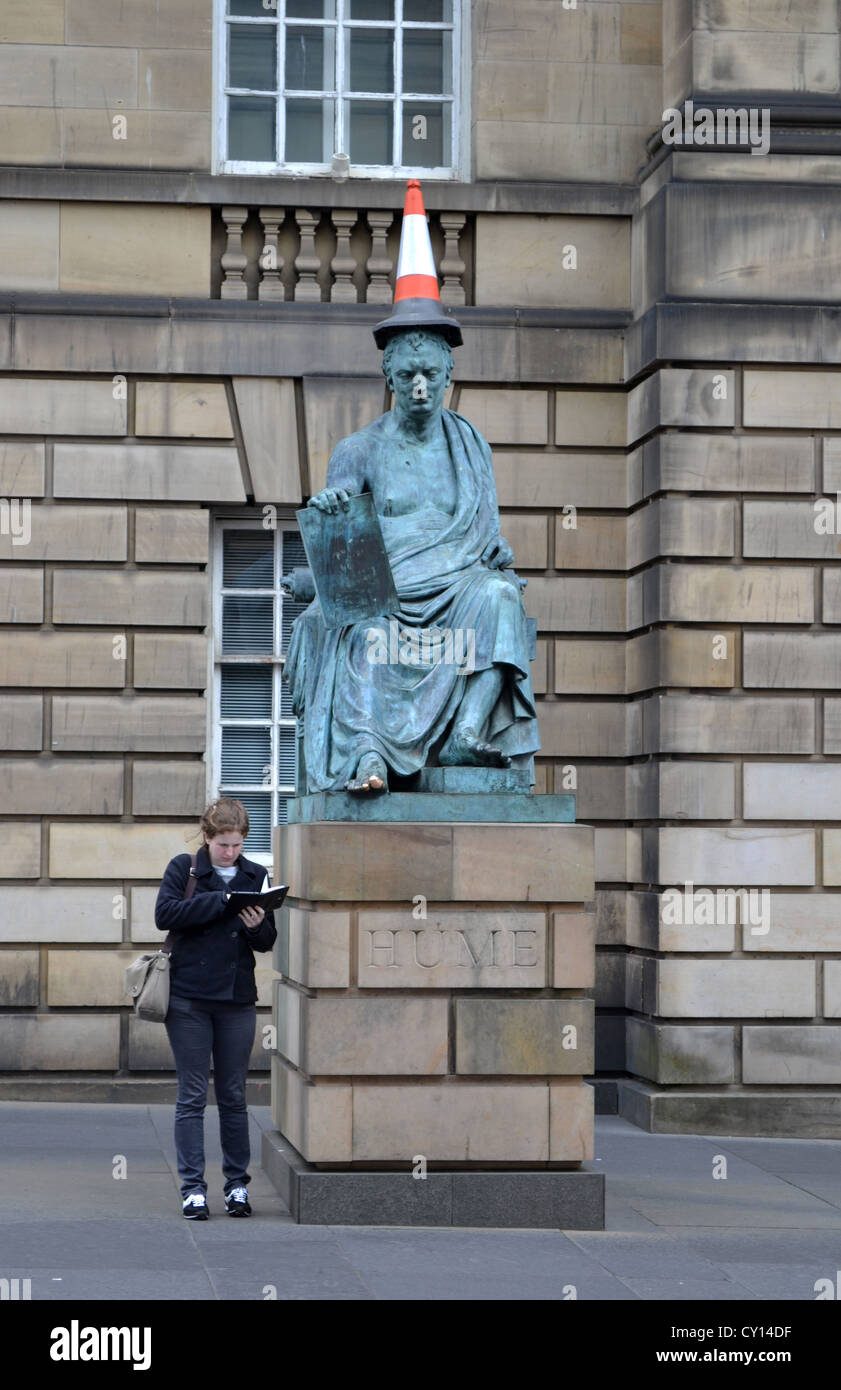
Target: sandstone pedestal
(431,1026)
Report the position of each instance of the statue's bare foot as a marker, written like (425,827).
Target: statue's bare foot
(371,775)
(465,748)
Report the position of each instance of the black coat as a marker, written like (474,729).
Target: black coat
(213,952)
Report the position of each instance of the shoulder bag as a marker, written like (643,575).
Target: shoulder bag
(147,978)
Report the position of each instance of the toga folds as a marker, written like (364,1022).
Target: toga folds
(351,704)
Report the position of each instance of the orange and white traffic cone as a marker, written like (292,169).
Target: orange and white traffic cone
(417,302)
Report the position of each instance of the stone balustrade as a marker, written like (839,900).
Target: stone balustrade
(330,255)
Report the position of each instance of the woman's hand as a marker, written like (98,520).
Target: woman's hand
(252,917)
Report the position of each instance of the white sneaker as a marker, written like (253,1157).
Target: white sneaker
(195,1207)
(236,1202)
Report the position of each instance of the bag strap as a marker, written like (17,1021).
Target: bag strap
(187,894)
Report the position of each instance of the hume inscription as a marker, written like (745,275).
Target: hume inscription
(452,949)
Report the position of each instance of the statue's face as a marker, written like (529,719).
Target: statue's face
(419,377)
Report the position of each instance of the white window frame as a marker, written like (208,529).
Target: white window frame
(247,521)
(460,123)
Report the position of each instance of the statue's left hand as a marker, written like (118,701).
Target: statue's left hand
(497,554)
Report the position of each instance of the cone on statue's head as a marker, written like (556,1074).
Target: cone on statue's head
(417,303)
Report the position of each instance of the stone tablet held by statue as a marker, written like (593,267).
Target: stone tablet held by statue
(349,563)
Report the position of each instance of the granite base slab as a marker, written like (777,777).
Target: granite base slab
(538,1199)
(432,806)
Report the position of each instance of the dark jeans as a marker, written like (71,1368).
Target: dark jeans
(196,1028)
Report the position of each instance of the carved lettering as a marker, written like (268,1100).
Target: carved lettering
(425,931)
(525,954)
(388,948)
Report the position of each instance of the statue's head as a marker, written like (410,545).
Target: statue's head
(417,366)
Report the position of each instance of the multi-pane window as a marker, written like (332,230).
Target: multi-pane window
(304,80)
(255,743)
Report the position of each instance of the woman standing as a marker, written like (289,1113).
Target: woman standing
(212,998)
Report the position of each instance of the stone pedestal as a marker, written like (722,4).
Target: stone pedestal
(431,1020)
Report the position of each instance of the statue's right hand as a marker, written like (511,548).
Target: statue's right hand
(330,499)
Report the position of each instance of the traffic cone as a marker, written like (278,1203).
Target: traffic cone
(417,303)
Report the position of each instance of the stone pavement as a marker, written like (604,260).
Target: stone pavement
(768,1230)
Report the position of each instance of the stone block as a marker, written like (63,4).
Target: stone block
(682,657)
(732,856)
(65,533)
(571,1116)
(22,854)
(19,979)
(138,724)
(810,16)
(149,472)
(572,603)
(189,409)
(125,249)
(149,1049)
(574,937)
(63,76)
(145,26)
(673,526)
(584,666)
(332,412)
(585,729)
(832,726)
(557,94)
(728,724)
(21,722)
(475,1121)
(175,80)
(729,463)
(169,534)
(789,531)
(37,405)
(561,480)
(578,35)
(129,596)
(792,660)
(168,789)
(87,978)
(46,914)
(528,538)
(799,923)
(681,1056)
(640,34)
(518,260)
(610,854)
(316,1119)
(30,135)
(679,921)
(523,1037)
(832,989)
(831,465)
(611,914)
(60,659)
(313,948)
(735,989)
(568,152)
(540,669)
(681,396)
(681,791)
(831,858)
(170,660)
(593,543)
(153,140)
(792,791)
(370,1036)
(62,787)
(21,469)
(139,851)
(56,1042)
(791,1056)
(594,418)
(768,62)
(792,400)
(267,414)
(451,948)
(599,793)
(445,862)
(28,239)
(609,989)
(731,594)
(506,416)
(831,596)
(20,23)
(142,916)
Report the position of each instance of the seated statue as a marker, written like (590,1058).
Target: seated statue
(430,474)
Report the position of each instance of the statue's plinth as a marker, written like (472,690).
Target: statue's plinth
(432,1018)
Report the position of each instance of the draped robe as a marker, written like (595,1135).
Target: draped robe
(350,703)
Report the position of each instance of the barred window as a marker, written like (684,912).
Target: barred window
(303,80)
(255,749)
